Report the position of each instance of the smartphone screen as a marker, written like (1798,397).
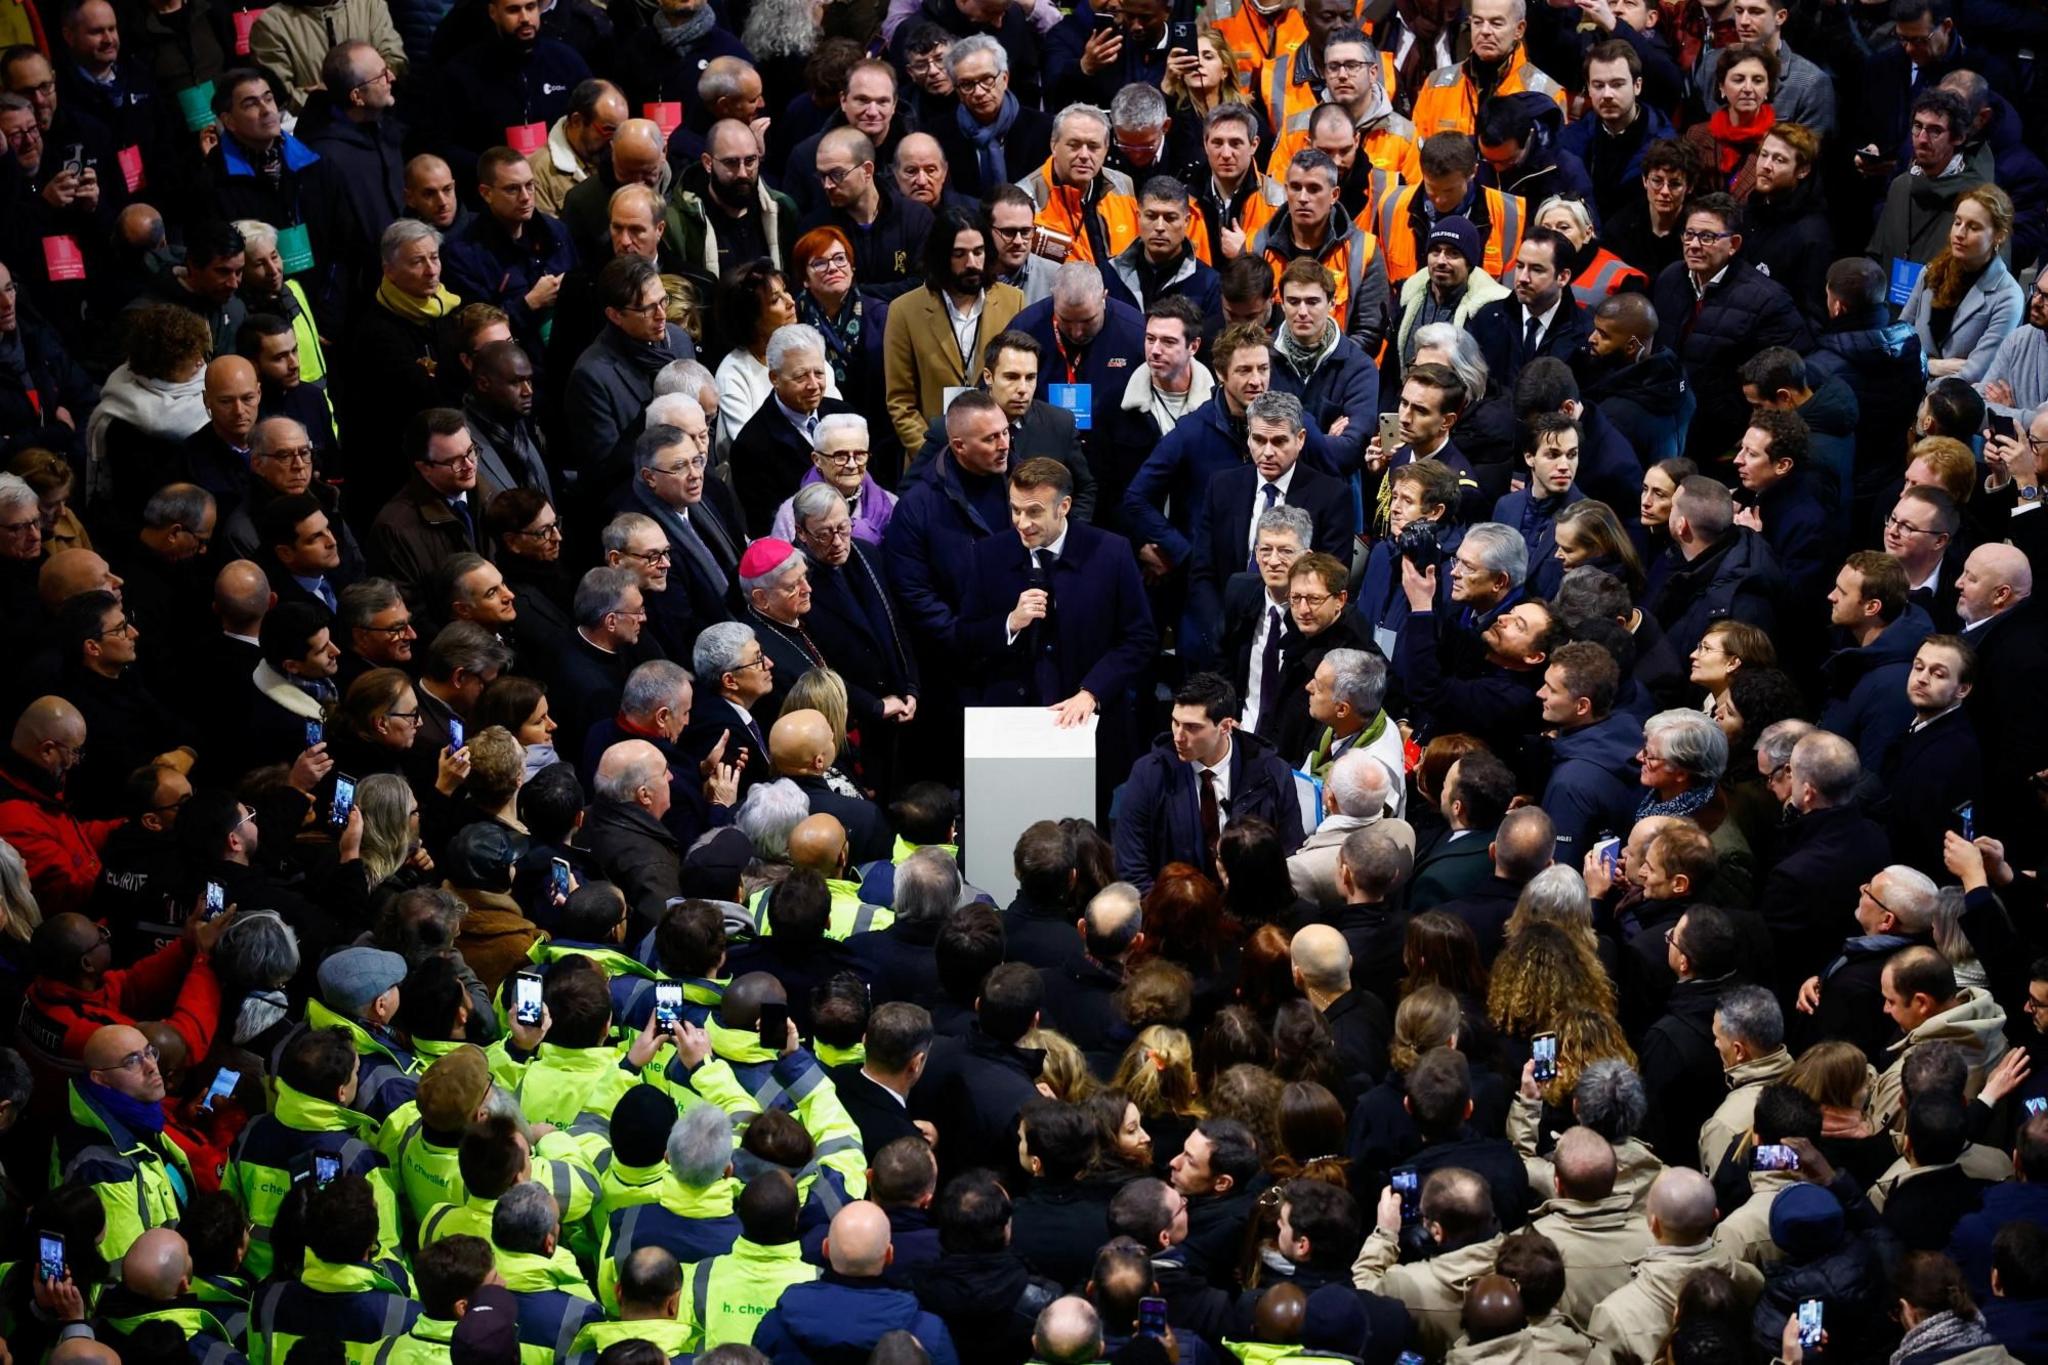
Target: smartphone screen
(216,899)
(1966,816)
(526,998)
(1407,1184)
(315,732)
(344,800)
(2037,1105)
(774,1026)
(1543,1052)
(668,1004)
(1774,1156)
(50,1252)
(558,879)
(325,1167)
(454,733)
(1152,1317)
(2002,425)
(224,1082)
(1809,1324)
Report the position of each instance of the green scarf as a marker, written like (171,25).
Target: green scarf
(1319,762)
(440,305)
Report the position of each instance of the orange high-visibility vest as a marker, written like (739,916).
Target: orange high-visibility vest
(1605,274)
(1449,103)
(1255,41)
(1346,259)
(1389,145)
(1504,215)
(1060,208)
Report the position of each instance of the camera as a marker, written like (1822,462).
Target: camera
(1417,543)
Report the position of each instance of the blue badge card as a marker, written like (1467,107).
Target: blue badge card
(1905,274)
(1075,398)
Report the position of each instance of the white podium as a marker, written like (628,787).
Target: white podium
(1021,768)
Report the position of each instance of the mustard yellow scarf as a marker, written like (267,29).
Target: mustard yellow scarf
(438,305)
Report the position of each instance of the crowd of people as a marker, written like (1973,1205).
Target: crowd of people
(508,506)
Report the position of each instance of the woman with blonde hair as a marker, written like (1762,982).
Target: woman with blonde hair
(1383,1132)
(18,895)
(1584,1036)
(1966,302)
(1065,1070)
(1158,1072)
(1544,972)
(394,860)
(1837,1076)
(1589,533)
(1206,79)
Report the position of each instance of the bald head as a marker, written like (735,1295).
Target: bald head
(158,1265)
(49,730)
(801,743)
(819,843)
(740,1006)
(1110,925)
(68,573)
(1681,1207)
(1524,843)
(1068,1332)
(232,395)
(639,152)
(1493,1308)
(850,141)
(241,596)
(110,1043)
(1995,578)
(1277,1319)
(1628,315)
(730,137)
(83,1351)
(858,1241)
(1584,1162)
(629,764)
(140,226)
(1323,958)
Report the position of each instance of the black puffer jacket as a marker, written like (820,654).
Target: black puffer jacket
(990,1302)
(1742,312)
(1850,1281)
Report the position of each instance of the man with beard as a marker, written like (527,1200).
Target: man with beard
(1543,318)
(934,334)
(869,104)
(499,406)
(1611,143)
(1077,196)
(1638,385)
(1012,218)
(373,625)
(1451,287)
(430,194)
(729,215)
(511,86)
(991,137)
(270,344)
(511,255)
(887,231)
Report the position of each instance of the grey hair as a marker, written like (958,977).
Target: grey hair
(1566,204)
(526,1216)
(361,600)
(768,578)
(1706,505)
(780,28)
(1911,896)
(653,440)
(796,338)
(1465,357)
(1376,863)
(1499,549)
(927,885)
(177,504)
(259,951)
(1751,1014)
(618,533)
(1360,678)
(1780,738)
(1692,743)
(976,45)
(1360,784)
(15,493)
(18,891)
(770,812)
(625,781)
(1077,282)
(1610,1100)
(1073,111)
(466,646)
(684,377)
(838,422)
(1137,106)
(1590,594)
(402,233)
(1276,405)
(814,500)
(718,648)
(1282,517)
(261,436)
(1557,895)
(257,235)
(652,686)
(700,1146)
(500,1103)
(1947,927)
(1829,764)
(600,593)
(662,405)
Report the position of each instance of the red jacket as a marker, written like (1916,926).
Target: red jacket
(62,852)
(172,984)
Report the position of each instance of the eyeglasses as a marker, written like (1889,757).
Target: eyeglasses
(297,455)
(836,261)
(651,558)
(1278,552)
(1665,182)
(413,714)
(1343,68)
(630,615)
(551,531)
(736,164)
(133,1060)
(649,308)
(688,466)
(17,528)
(393,631)
(835,175)
(1892,523)
(467,457)
(1702,237)
(1875,899)
(830,535)
(124,626)
(1015,232)
(763,662)
(977,84)
(843,456)
(1310,600)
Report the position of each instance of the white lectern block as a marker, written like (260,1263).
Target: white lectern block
(1021,768)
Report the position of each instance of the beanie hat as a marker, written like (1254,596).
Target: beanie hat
(765,555)
(353,977)
(1806,1221)
(714,865)
(1457,230)
(452,1088)
(1335,1321)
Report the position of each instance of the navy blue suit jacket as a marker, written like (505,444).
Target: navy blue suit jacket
(1161,811)
(1102,625)
(1223,527)
(1498,327)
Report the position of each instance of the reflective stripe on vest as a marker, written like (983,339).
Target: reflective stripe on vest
(1507,228)
(700,1294)
(1603,281)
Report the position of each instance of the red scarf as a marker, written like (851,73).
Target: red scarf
(1736,142)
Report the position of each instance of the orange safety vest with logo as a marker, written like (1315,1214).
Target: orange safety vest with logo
(1255,40)
(1345,256)
(1605,274)
(1060,209)
(1286,97)
(1389,145)
(1504,214)
(1449,103)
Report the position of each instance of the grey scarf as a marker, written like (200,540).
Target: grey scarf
(680,36)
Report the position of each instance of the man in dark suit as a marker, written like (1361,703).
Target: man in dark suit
(1935,770)
(2003,624)
(772,452)
(734,673)
(589,676)
(876,1093)
(1055,617)
(1037,428)
(1228,512)
(656,707)
(1255,608)
(1371,866)
(1521,848)
(699,515)
(1207,772)
(1477,789)
(1828,852)
(1317,623)
(1542,319)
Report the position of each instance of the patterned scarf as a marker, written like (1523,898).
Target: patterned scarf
(842,334)
(1682,805)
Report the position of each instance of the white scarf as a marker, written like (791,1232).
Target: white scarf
(157,407)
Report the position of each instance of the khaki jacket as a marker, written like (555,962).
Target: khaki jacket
(1977,1162)
(1631,1324)
(556,169)
(1730,1123)
(1746,1233)
(292,40)
(1636,1167)
(1549,1340)
(1433,1291)
(1599,1243)
(1975,1023)
(921,358)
